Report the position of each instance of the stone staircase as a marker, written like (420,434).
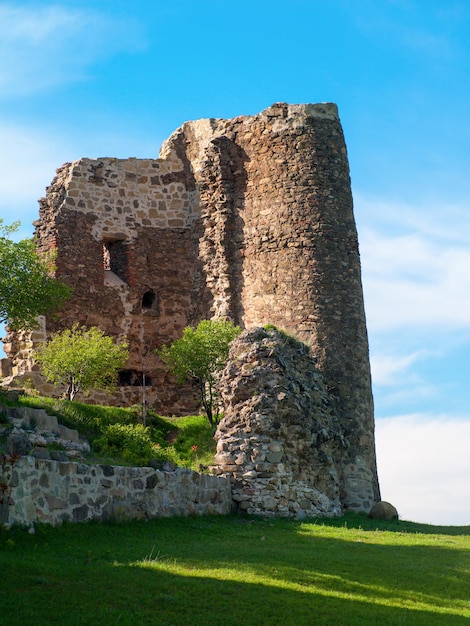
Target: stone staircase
(33,432)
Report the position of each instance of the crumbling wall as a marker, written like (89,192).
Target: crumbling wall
(249,218)
(281,438)
(126,236)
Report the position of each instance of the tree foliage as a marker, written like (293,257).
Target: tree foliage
(81,359)
(26,287)
(200,355)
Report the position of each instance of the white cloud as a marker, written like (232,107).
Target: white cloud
(392,370)
(409,281)
(424,467)
(415,265)
(28,161)
(416,275)
(43,45)
(20,23)
(437,220)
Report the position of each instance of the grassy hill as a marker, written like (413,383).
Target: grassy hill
(237,570)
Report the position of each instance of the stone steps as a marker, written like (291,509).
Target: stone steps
(35,433)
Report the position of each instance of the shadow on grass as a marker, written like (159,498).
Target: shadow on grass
(231,571)
(131,595)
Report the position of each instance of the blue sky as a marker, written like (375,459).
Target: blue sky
(115,78)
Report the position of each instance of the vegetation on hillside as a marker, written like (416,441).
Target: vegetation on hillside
(117,438)
(237,569)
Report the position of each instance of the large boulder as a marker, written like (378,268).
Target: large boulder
(384,511)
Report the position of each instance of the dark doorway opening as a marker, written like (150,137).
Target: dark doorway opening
(133,378)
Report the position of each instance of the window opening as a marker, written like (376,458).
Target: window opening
(149,301)
(133,378)
(115,258)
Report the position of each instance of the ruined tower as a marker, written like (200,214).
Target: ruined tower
(249,218)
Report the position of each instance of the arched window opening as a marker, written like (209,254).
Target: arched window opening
(149,301)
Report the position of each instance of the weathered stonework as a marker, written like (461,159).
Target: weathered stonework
(249,218)
(54,492)
(282,439)
(40,484)
(33,432)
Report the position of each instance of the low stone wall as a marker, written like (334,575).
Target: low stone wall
(53,492)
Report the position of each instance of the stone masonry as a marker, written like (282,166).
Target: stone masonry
(281,438)
(52,484)
(249,218)
(54,492)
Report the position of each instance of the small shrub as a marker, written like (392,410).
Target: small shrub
(167,454)
(81,359)
(200,355)
(131,442)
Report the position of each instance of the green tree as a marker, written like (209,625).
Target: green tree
(200,355)
(82,359)
(27,288)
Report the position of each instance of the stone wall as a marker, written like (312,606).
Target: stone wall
(249,218)
(282,438)
(53,492)
(125,233)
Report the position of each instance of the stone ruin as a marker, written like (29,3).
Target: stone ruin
(249,218)
(282,438)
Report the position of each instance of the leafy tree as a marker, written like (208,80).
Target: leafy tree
(200,355)
(82,359)
(26,287)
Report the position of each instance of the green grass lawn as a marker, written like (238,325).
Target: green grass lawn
(214,571)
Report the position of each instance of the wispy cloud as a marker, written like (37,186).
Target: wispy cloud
(43,45)
(424,467)
(416,266)
(416,274)
(404,293)
(429,35)
(392,370)
(436,220)
(28,160)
